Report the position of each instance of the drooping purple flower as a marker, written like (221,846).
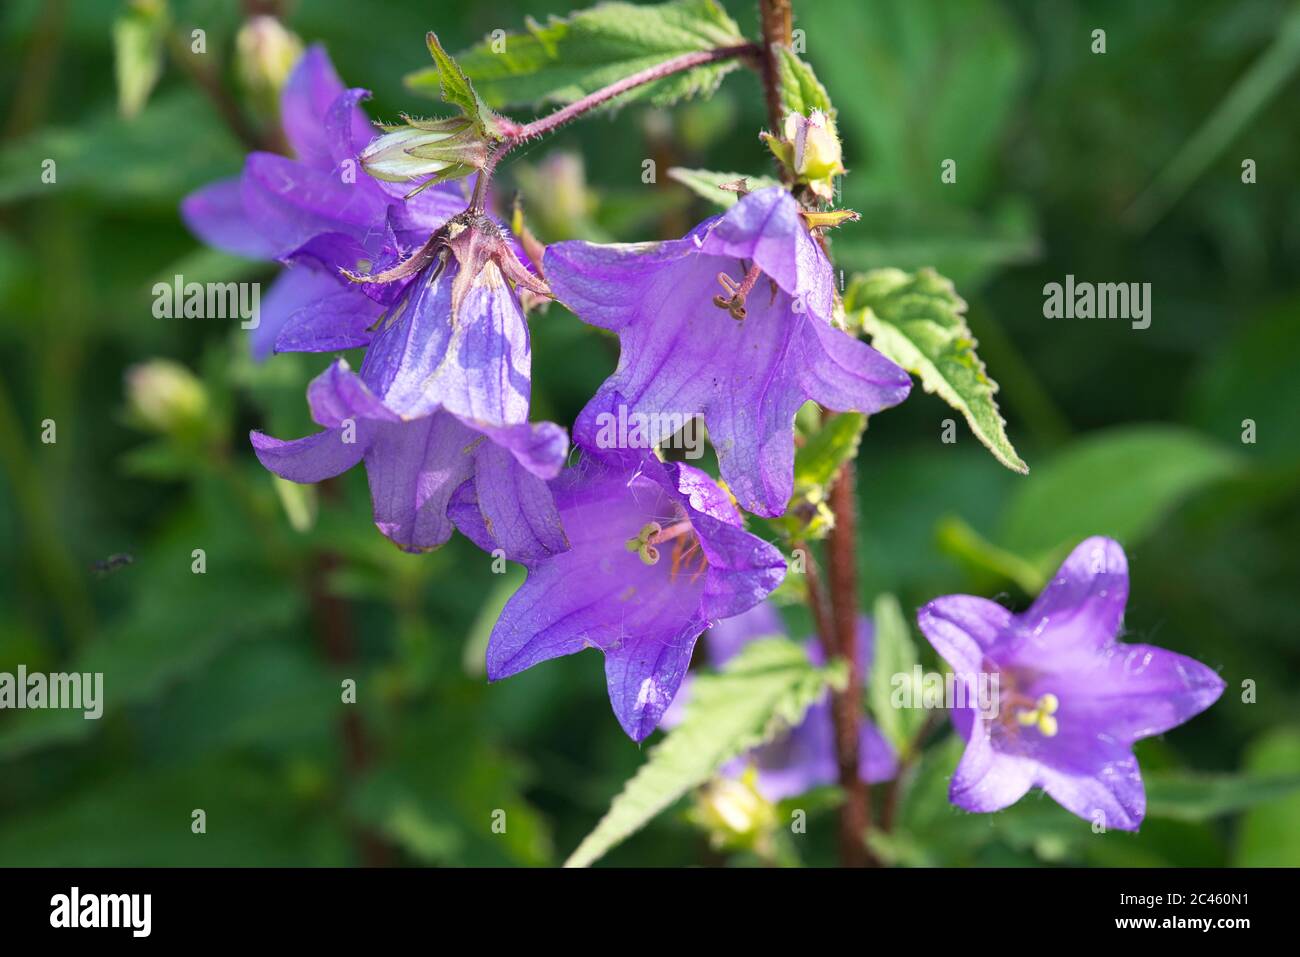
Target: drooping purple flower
(746,358)
(318,213)
(657,552)
(432,472)
(803,757)
(1072,699)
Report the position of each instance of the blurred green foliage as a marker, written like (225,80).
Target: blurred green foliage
(223,689)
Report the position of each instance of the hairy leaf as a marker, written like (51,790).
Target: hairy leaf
(894,654)
(762,691)
(708,184)
(456,89)
(918,320)
(801,91)
(568,58)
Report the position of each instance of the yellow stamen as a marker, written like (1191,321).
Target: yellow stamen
(1041,715)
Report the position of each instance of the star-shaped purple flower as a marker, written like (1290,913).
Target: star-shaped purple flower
(430,473)
(317,212)
(658,551)
(803,757)
(1072,699)
(732,322)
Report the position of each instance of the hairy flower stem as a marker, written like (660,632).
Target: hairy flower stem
(516,134)
(846,706)
(777,17)
(838,636)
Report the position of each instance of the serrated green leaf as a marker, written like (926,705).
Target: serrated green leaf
(917,320)
(761,692)
(801,91)
(568,58)
(835,443)
(456,89)
(708,184)
(1197,797)
(138,37)
(1121,483)
(894,653)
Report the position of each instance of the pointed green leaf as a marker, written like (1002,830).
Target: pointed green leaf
(708,184)
(836,442)
(801,91)
(894,653)
(918,320)
(762,691)
(568,58)
(455,88)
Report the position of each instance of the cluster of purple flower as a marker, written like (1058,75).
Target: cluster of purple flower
(625,552)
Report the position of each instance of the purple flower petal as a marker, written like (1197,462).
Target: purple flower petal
(477,367)
(644,617)
(1072,699)
(987,779)
(311,90)
(340,320)
(293,203)
(313,459)
(682,355)
(215,214)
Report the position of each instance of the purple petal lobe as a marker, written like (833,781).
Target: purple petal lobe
(292,203)
(313,459)
(215,214)
(338,396)
(296,288)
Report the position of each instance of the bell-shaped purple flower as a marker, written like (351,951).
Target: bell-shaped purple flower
(1071,699)
(658,551)
(732,322)
(432,472)
(803,757)
(319,213)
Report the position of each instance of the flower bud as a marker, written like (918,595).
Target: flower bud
(445,149)
(810,148)
(165,397)
(265,54)
(734,813)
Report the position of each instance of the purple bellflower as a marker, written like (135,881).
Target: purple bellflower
(658,551)
(1072,699)
(432,472)
(746,359)
(803,757)
(318,213)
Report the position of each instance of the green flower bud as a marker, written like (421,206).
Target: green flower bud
(447,149)
(734,814)
(165,397)
(810,148)
(265,54)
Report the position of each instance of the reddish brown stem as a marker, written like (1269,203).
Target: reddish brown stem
(777,18)
(516,134)
(846,706)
